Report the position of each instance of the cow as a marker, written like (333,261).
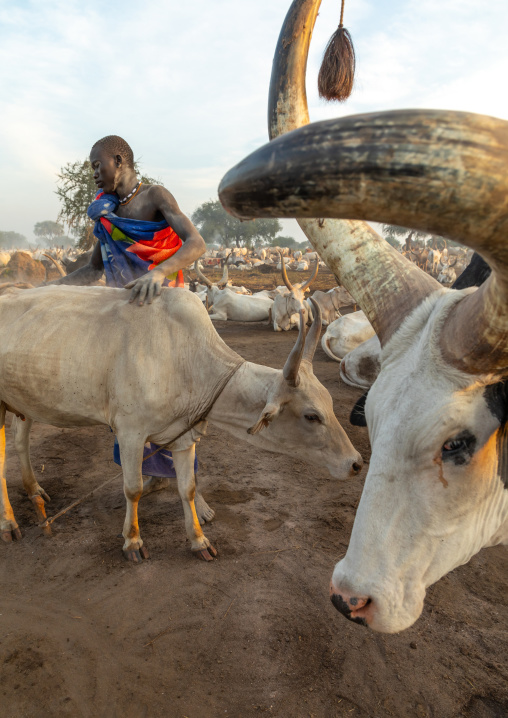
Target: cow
(361,365)
(345,334)
(436,491)
(286,307)
(160,385)
(225,303)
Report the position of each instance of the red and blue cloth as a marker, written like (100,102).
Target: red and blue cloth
(131,248)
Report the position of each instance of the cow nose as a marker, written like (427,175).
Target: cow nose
(357,465)
(354,608)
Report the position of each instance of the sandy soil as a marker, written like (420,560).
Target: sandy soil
(84,633)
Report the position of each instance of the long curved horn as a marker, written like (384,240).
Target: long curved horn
(386,285)
(292,365)
(285,278)
(312,277)
(57,264)
(225,276)
(200,274)
(438,171)
(314,333)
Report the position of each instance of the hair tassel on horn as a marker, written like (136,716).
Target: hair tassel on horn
(337,73)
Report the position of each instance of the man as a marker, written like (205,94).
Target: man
(144,242)
(143,237)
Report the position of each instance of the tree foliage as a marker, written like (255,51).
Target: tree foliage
(76,190)
(396,236)
(216,225)
(50,232)
(12,240)
(281,241)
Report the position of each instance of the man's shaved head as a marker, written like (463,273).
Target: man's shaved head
(115,145)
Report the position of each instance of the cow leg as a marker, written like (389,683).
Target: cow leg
(36,494)
(184,466)
(9,529)
(131,453)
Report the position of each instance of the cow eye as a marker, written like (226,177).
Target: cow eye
(454,445)
(460,449)
(312,417)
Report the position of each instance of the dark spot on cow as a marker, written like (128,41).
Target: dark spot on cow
(343,608)
(368,369)
(496,396)
(357,416)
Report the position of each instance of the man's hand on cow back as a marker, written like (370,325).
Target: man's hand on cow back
(149,286)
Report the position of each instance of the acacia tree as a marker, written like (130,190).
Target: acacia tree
(50,232)
(216,225)
(76,191)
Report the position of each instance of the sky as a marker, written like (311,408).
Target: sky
(186,83)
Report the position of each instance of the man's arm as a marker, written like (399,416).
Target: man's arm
(88,274)
(150,285)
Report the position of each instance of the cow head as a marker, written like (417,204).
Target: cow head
(436,492)
(287,306)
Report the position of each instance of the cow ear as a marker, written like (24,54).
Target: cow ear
(357,416)
(267,415)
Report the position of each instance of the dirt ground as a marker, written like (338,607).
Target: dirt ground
(84,633)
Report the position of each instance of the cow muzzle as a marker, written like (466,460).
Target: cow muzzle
(355,608)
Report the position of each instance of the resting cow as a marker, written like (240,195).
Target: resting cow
(437,487)
(79,356)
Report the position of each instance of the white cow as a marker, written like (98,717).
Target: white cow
(437,487)
(287,306)
(227,305)
(120,381)
(330,303)
(345,334)
(361,365)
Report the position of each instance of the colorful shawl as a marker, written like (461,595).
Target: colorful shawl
(131,247)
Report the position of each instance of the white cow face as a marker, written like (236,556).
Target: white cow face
(435,492)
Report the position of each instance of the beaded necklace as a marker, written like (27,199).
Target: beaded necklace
(131,195)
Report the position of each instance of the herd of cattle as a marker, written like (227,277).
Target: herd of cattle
(350,339)
(434,359)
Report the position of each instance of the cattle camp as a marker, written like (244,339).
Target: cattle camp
(253,376)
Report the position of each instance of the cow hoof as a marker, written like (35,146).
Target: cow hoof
(11,535)
(206,554)
(136,555)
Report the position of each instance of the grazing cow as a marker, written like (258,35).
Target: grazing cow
(437,487)
(286,307)
(121,381)
(345,334)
